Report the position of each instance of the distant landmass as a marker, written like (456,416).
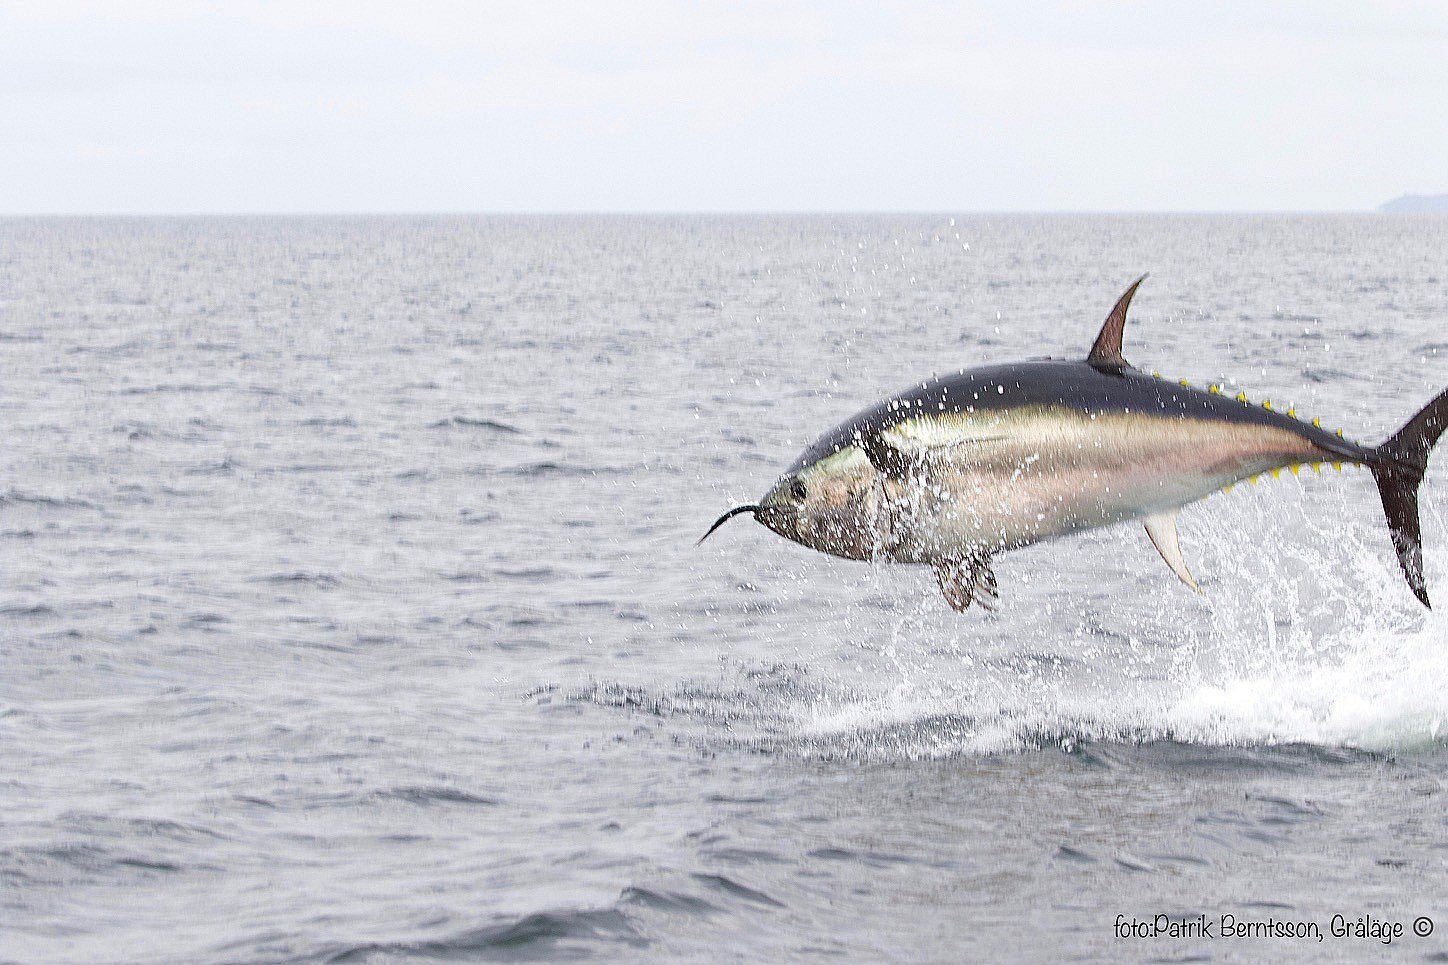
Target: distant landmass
(1417,204)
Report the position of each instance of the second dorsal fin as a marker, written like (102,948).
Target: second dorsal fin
(1107,350)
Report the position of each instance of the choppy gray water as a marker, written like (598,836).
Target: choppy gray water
(351,609)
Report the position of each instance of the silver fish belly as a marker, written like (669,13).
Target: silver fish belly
(1008,479)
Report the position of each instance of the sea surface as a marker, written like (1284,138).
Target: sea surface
(350,608)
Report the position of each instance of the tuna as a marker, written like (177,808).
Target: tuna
(955,470)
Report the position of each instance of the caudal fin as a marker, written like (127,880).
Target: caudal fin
(1399,473)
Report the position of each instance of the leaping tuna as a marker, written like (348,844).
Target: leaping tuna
(957,469)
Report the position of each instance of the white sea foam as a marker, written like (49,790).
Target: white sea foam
(1388,693)
(1318,644)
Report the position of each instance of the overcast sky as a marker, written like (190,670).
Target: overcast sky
(156,106)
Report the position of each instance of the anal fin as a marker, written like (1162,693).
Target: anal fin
(1162,528)
(968,580)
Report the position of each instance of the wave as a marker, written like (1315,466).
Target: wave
(549,468)
(578,932)
(320,580)
(546,935)
(466,422)
(18,497)
(323,422)
(27,610)
(439,794)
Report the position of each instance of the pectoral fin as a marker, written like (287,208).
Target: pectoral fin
(969,580)
(901,454)
(1162,528)
(887,460)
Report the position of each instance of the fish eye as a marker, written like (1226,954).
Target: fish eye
(798,490)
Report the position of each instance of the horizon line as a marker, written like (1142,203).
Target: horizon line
(682,212)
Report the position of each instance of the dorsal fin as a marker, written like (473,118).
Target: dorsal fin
(1107,350)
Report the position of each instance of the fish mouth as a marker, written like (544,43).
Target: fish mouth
(753,508)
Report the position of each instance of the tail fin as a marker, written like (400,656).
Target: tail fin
(1399,474)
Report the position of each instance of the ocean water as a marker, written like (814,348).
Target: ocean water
(350,608)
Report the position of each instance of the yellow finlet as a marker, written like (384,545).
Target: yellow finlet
(1317,422)
(1291,412)
(1156,375)
(1186,383)
(1267,403)
(1296,468)
(1317,467)
(1241,397)
(1339,433)
(1337,466)
(1253,479)
(1228,488)
(1215,389)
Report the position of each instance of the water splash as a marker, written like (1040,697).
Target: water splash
(1309,639)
